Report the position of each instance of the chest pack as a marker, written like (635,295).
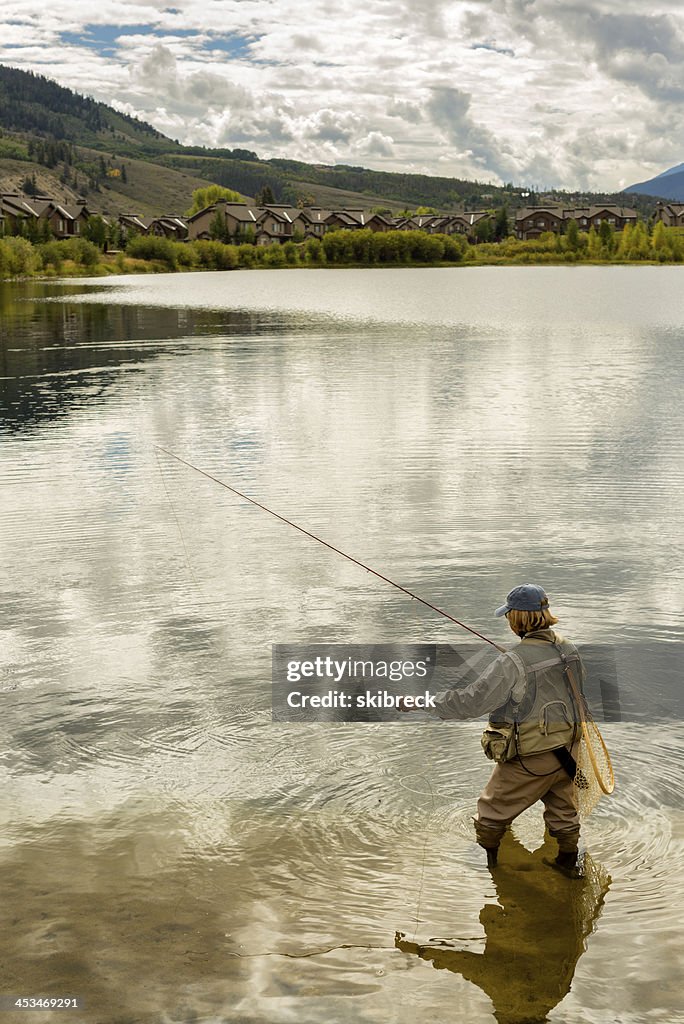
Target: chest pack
(540,714)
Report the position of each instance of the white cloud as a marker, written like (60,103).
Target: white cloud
(449,109)
(376,144)
(566,92)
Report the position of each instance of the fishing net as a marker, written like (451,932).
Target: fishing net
(594,774)
(589,791)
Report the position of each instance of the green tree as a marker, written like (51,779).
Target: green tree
(314,250)
(81,251)
(264,196)
(115,238)
(32,228)
(247,255)
(272,255)
(501,226)
(607,236)
(593,244)
(483,230)
(455,247)
(640,246)
(45,233)
(572,235)
(203,197)
(659,238)
(21,257)
(291,252)
(95,230)
(150,247)
(217,228)
(51,255)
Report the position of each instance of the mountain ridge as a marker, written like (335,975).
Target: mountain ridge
(75,145)
(668,184)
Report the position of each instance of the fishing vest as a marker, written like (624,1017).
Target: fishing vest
(541,707)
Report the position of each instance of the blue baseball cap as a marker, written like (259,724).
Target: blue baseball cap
(528,597)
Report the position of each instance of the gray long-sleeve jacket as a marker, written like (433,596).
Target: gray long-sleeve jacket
(500,682)
(526,684)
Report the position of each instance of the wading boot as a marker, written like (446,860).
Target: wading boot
(566,863)
(488,837)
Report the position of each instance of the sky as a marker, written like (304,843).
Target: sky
(586,94)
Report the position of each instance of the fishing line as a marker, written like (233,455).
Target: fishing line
(178,525)
(425,842)
(385,579)
(313,536)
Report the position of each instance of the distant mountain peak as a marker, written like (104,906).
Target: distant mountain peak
(667,185)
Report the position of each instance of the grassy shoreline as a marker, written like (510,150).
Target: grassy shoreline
(108,268)
(366,250)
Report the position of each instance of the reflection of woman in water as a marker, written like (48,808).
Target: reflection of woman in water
(534,937)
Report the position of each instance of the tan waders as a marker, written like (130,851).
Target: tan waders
(513,787)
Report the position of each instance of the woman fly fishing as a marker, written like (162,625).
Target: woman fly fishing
(533,732)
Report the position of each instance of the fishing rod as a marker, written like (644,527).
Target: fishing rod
(332,547)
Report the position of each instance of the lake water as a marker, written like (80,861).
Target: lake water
(171,855)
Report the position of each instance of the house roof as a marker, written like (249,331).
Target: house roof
(239,211)
(565,213)
(315,214)
(14,205)
(284,211)
(470,217)
(72,212)
(279,213)
(75,211)
(596,208)
(536,211)
(133,220)
(173,222)
(353,217)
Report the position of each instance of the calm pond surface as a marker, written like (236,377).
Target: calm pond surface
(170,854)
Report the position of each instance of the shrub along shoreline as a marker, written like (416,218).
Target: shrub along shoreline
(79,257)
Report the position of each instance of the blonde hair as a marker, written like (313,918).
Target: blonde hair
(526,622)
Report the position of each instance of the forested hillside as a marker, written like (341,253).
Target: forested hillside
(37,106)
(55,141)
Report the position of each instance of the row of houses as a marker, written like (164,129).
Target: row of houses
(533,221)
(264,225)
(274,223)
(671,214)
(65,220)
(175,228)
(69,220)
(277,223)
